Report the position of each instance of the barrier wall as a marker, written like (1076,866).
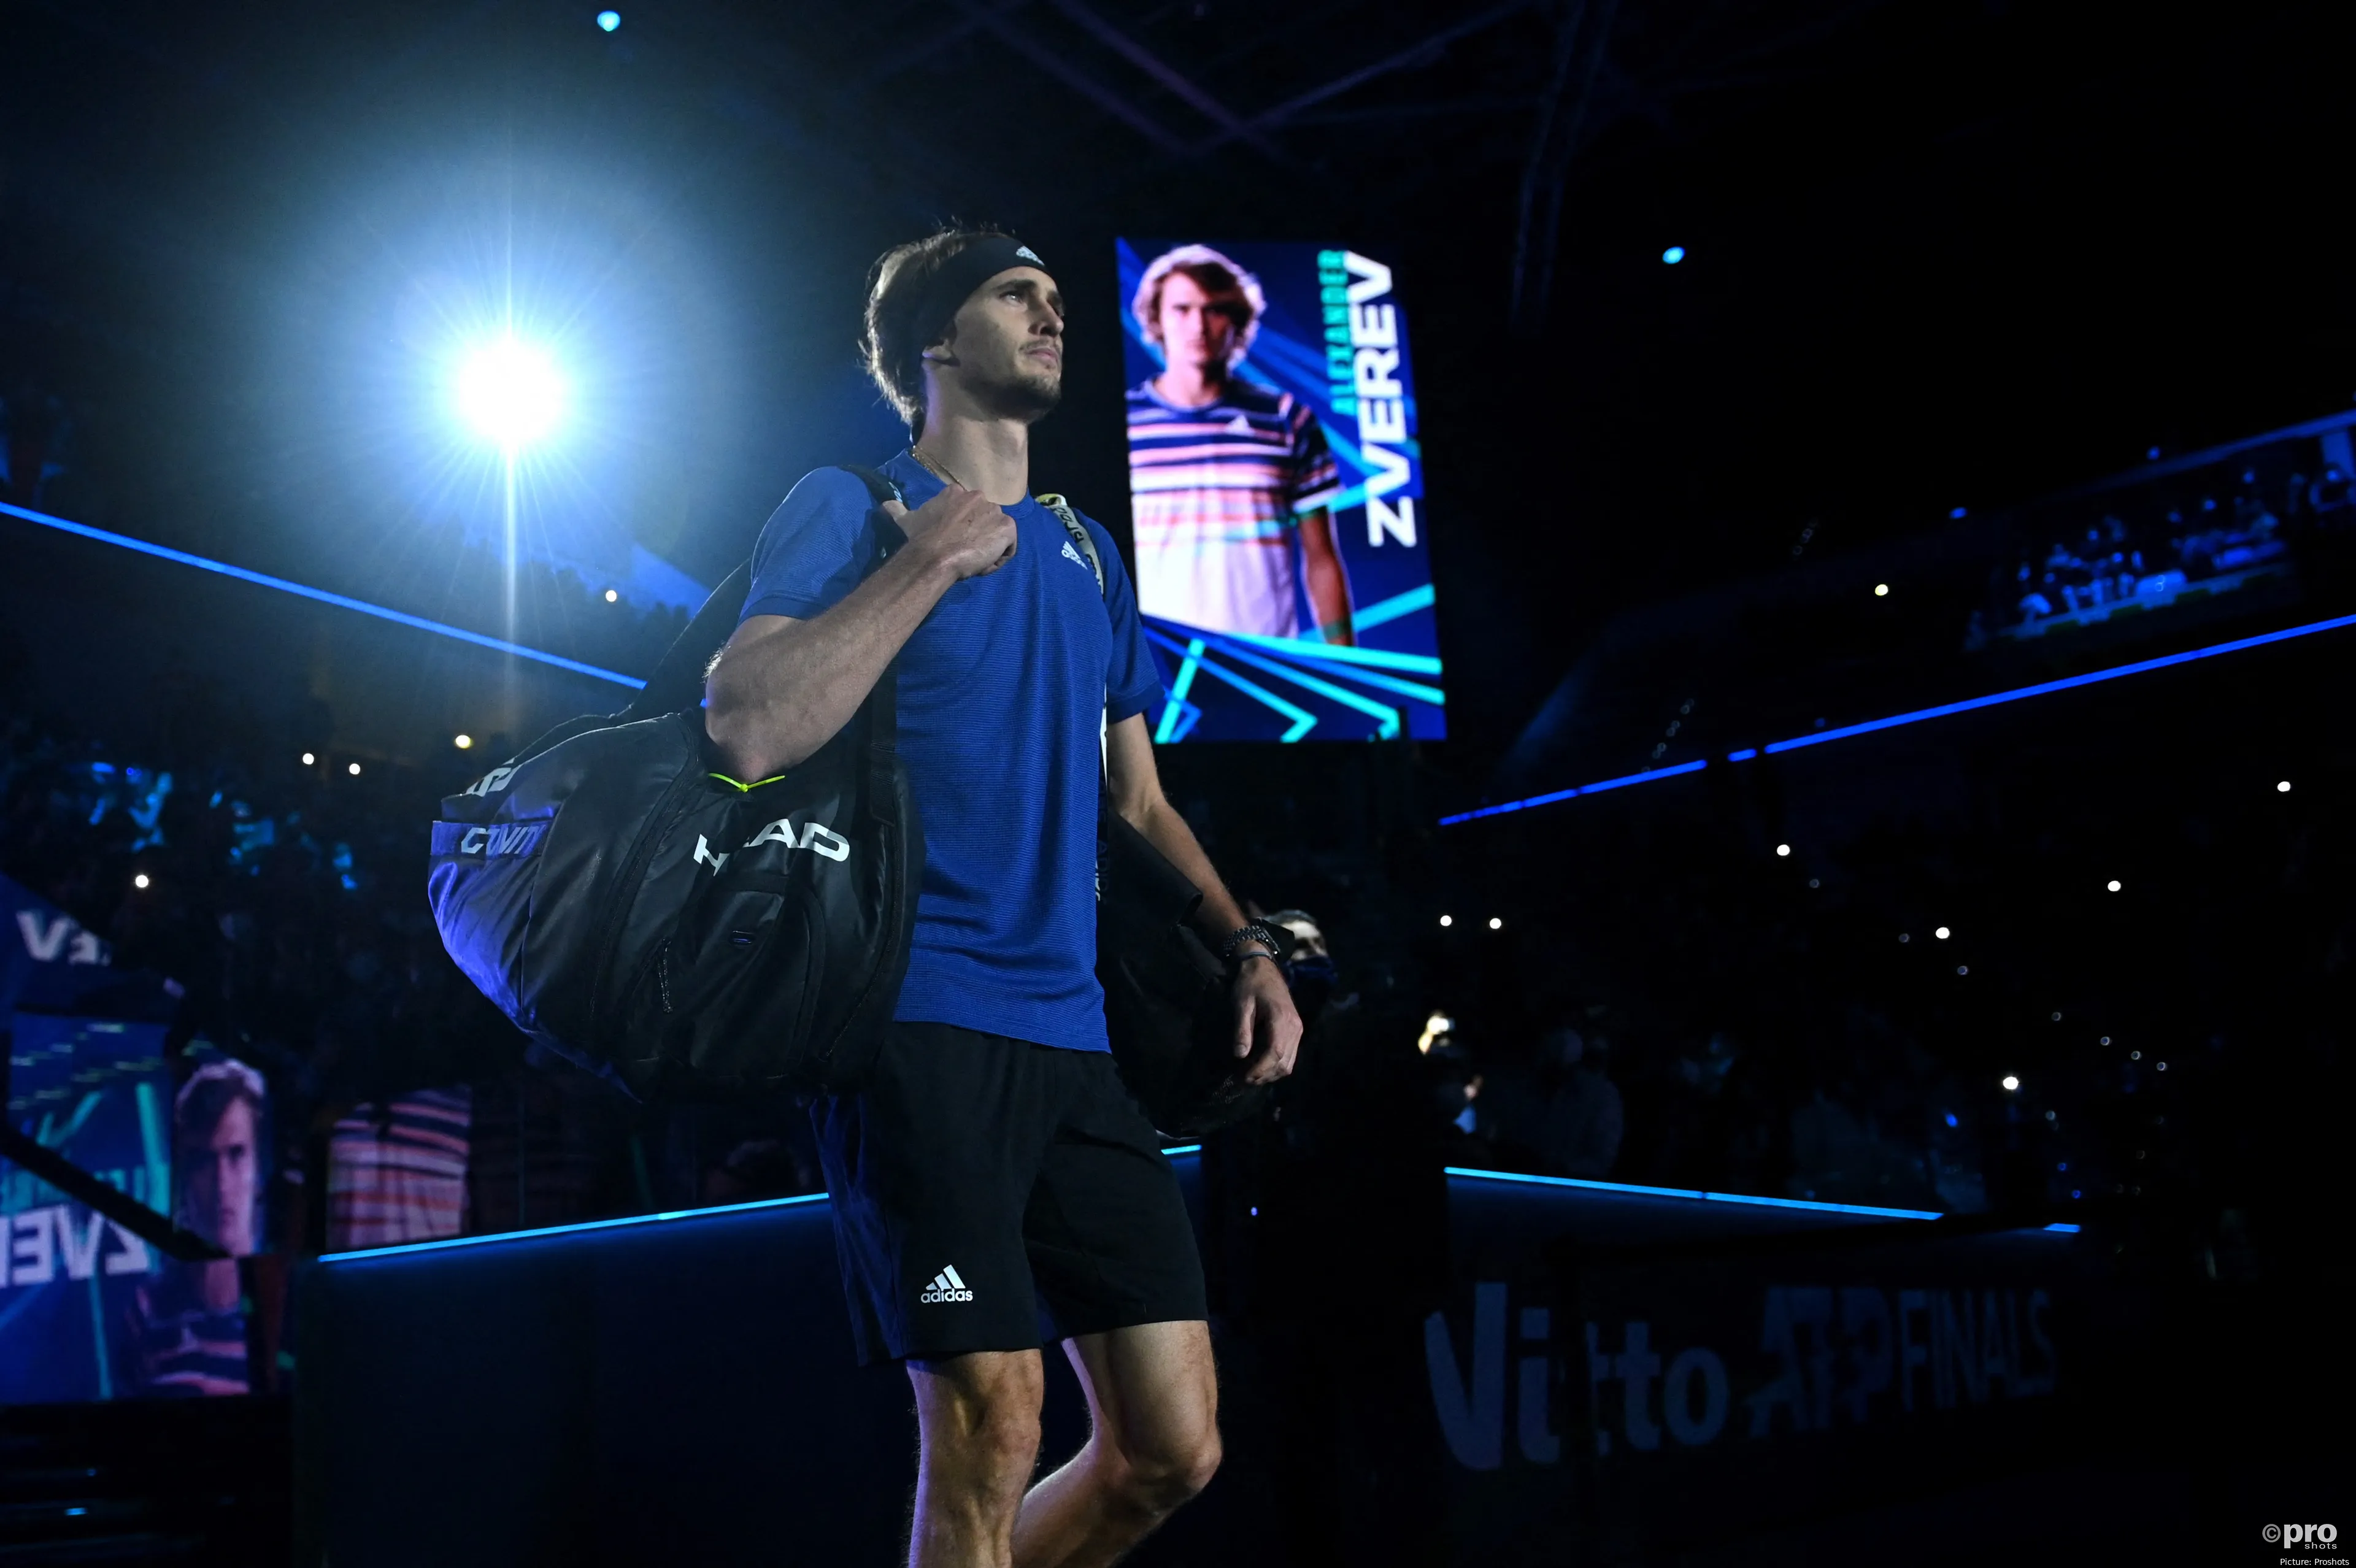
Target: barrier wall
(681,1389)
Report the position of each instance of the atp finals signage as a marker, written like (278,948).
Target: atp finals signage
(1276,491)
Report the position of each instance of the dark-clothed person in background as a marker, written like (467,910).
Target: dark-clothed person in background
(1327,1248)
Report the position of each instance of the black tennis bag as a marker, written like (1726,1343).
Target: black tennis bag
(675,931)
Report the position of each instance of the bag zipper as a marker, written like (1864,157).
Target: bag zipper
(627,886)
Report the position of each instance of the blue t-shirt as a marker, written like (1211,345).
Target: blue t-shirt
(1000,689)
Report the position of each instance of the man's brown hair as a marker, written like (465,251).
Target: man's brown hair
(894,344)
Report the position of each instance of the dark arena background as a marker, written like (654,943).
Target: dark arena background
(1836,823)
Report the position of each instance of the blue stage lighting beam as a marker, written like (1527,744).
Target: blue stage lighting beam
(2067,683)
(321,595)
(447,1243)
(1945,709)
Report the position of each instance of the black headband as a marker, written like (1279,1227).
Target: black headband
(961,276)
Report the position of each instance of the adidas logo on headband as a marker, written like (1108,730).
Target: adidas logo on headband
(1029,255)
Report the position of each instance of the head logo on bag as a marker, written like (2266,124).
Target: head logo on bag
(491,782)
(631,909)
(815,837)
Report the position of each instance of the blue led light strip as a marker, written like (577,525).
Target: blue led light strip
(447,1243)
(2066,683)
(1549,799)
(2042,689)
(1693,1192)
(342,601)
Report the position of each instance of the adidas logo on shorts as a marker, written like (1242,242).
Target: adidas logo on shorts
(946,1286)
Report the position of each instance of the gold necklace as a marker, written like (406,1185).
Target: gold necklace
(937,470)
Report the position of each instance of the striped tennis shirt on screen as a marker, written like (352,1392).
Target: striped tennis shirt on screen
(1215,491)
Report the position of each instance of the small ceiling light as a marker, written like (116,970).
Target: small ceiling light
(140,880)
(1902,936)
(2107,1040)
(2050,1116)
(2283,788)
(2115,885)
(1496,924)
(1674,254)
(1958,514)
(1940,934)
(2163,1066)
(1782,849)
(354,770)
(1963,968)
(1448,919)
(608,20)
(613,595)
(1813,884)
(2011,1085)
(1881,591)
(308,759)
(2135,1056)
(463,742)
(2057,1018)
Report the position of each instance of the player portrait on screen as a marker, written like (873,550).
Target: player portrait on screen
(1227,478)
(188,1321)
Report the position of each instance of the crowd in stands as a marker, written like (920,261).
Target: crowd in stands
(2211,529)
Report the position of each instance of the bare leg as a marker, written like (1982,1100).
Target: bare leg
(1154,1443)
(979,1419)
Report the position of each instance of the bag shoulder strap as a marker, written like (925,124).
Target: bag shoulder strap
(1079,532)
(677,683)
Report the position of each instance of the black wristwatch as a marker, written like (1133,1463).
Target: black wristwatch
(1258,932)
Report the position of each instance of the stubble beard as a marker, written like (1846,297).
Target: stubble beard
(1029,394)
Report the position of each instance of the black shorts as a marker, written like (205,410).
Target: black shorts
(976,1179)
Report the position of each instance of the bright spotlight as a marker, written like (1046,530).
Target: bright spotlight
(612,595)
(2283,788)
(1496,924)
(354,770)
(2115,887)
(2012,1084)
(1448,919)
(510,393)
(1940,934)
(464,742)
(308,759)
(1674,254)
(608,20)
(140,880)
(1782,849)
(1881,591)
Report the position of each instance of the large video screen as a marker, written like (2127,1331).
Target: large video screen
(88,1311)
(1276,490)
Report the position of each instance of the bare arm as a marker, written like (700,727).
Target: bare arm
(1268,1029)
(783,687)
(1328,584)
